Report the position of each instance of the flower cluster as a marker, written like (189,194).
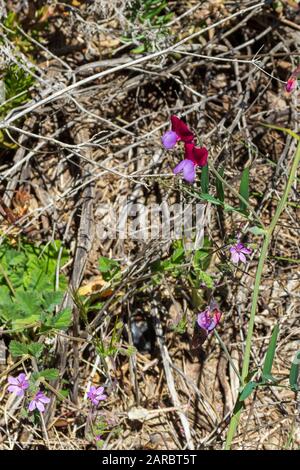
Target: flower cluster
(19,384)
(95,395)
(193,156)
(291,84)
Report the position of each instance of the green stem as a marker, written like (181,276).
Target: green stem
(238,408)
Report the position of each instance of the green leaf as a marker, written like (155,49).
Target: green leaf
(17,349)
(204,179)
(49,374)
(256,230)
(108,267)
(219,185)
(249,388)
(35,349)
(270,353)
(210,198)
(244,189)
(27,302)
(20,323)
(294,373)
(62,320)
(52,299)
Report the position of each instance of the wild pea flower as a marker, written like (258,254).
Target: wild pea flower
(179,132)
(209,319)
(238,252)
(18,384)
(194,156)
(96,394)
(291,84)
(38,402)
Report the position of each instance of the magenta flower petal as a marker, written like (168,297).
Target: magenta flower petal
(234,256)
(200,155)
(169,139)
(182,130)
(291,84)
(189,152)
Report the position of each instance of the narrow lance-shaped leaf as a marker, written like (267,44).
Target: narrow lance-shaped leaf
(219,185)
(244,189)
(249,388)
(294,373)
(204,179)
(270,353)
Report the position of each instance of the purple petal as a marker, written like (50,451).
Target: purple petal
(178,168)
(169,139)
(99,390)
(189,171)
(102,397)
(22,377)
(212,325)
(242,258)
(15,389)
(40,406)
(44,399)
(13,381)
(246,251)
(234,256)
(32,405)
(204,319)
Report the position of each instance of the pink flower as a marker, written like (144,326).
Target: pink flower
(180,131)
(209,319)
(18,385)
(238,253)
(96,394)
(291,84)
(38,402)
(194,156)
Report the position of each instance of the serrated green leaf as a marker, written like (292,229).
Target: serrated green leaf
(17,349)
(27,302)
(35,349)
(249,388)
(108,267)
(62,320)
(49,374)
(270,353)
(52,299)
(28,322)
(244,189)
